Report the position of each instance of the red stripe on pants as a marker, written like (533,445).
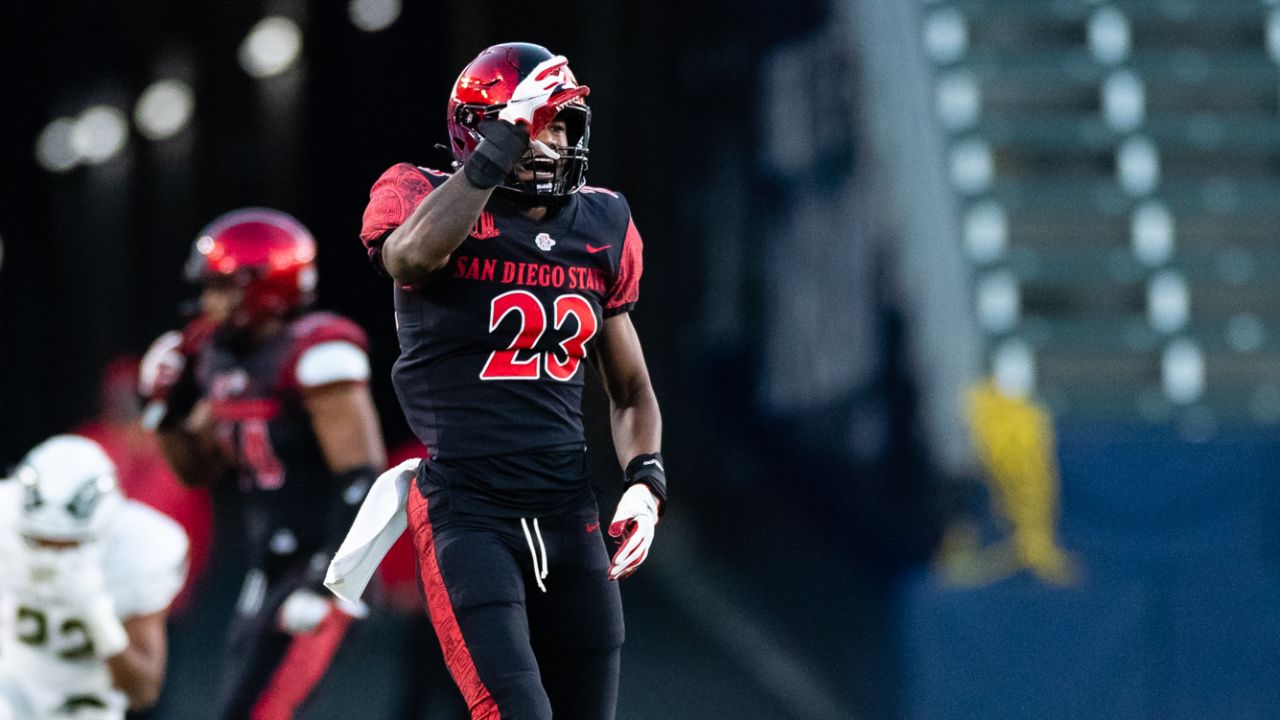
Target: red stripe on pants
(305,662)
(456,655)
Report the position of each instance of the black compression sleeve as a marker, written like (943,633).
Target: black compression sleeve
(497,154)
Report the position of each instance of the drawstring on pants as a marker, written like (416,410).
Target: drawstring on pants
(539,574)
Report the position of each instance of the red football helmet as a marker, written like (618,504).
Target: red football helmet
(268,253)
(485,86)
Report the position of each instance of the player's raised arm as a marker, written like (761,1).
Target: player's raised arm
(174,408)
(423,243)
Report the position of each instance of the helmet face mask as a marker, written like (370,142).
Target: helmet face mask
(265,257)
(566,175)
(482,90)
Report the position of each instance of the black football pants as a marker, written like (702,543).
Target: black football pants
(518,652)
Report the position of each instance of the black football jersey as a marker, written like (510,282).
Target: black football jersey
(256,401)
(493,346)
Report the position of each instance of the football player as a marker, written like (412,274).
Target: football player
(509,273)
(86,580)
(272,396)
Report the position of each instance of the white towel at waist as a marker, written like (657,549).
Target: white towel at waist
(379,522)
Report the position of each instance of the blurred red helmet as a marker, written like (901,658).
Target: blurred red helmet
(268,253)
(485,86)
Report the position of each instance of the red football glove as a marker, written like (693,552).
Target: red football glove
(634,522)
(542,94)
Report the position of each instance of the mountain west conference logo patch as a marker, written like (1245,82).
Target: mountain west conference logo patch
(544,242)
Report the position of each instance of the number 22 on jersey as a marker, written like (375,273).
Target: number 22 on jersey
(507,365)
(70,642)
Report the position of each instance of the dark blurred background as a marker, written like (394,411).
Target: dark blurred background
(853,211)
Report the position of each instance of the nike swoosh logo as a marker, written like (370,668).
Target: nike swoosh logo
(654,462)
(594,249)
(593,527)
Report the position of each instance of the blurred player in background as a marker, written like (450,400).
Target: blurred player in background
(144,474)
(86,580)
(267,394)
(508,275)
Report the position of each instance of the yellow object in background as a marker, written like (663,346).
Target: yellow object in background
(1014,441)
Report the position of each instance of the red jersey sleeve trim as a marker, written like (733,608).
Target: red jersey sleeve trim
(392,199)
(626,284)
(314,329)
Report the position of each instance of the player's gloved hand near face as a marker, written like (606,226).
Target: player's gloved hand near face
(542,94)
(164,368)
(305,609)
(634,521)
(161,366)
(534,103)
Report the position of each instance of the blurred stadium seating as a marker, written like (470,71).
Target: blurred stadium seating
(1115,169)
(1117,163)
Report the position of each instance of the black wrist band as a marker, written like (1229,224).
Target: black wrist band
(648,469)
(496,155)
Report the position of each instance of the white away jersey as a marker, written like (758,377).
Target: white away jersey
(44,649)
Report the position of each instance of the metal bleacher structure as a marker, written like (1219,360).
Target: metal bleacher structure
(1118,170)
